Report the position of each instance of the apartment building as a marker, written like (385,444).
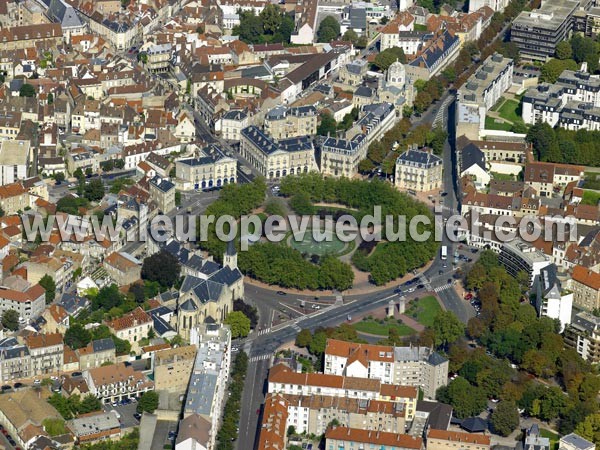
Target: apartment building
(390,33)
(163,192)
(518,256)
(207,387)
(445,440)
(583,335)
(550,178)
(537,32)
(46,352)
(551,299)
(273,428)
(284,122)
(173,367)
(116,382)
(341,437)
(436,54)
(407,366)
(14,197)
(28,300)
(96,354)
(159,57)
(502,151)
(481,92)
(81,159)
(28,36)
(283,380)
(15,361)
(585,285)
(123,268)
(132,327)
(276,159)
(231,124)
(120,34)
(340,157)
(207,169)
(15,157)
(354,72)
(312,414)
(418,170)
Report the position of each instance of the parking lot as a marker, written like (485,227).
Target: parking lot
(126,412)
(164,434)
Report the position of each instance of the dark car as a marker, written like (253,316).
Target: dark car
(440,272)
(443,194)
(18,385)
(76,374)
(420,286)
(138,416)
(6,387)
(281,293)
(449,280)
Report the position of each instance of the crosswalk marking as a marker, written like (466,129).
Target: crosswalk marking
(443,288)
(265,331)
(296,327)
(260,357)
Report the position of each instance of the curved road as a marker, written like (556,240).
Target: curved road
(261,346)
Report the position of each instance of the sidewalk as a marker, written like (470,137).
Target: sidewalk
(362,285)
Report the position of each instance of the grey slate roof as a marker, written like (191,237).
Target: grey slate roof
(102,345)
(470,156)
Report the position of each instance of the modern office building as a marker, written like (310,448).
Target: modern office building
(583,335)
(537,32)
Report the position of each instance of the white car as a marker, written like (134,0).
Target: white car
(37,382)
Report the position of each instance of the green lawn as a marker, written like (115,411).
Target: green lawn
(502,176)
(424,310)
(508,111)
(498,104)
(554,438)
(372,326)
(590,198)
(592,180)
(419,27)
(491,124)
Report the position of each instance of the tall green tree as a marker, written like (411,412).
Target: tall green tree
(505,418)
(47,282)
(162,267)
(27,90)
(389,56)
(329,29)
(564,50)
(447,329)
(10,320)
(77,336)
(239,324)
(148,402)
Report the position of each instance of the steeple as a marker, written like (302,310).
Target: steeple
(230,256)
